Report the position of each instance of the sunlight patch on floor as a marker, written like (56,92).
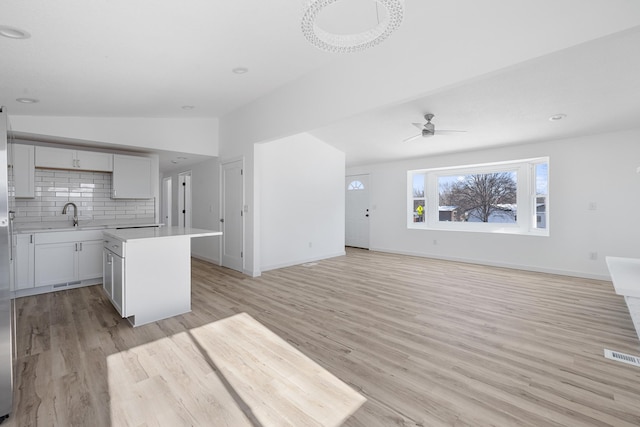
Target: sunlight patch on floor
(232,372)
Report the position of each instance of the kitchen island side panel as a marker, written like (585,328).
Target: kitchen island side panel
(157,278)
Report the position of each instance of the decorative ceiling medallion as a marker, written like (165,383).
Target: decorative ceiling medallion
(347,43)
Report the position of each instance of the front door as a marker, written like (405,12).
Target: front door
(357,211)
(231,221)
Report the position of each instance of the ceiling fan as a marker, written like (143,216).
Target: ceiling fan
(428,129)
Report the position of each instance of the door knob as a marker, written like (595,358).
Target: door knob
(367,215)
(221,219)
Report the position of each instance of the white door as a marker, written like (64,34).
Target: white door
(184,199)
(357,211)
(231,220)
(166,201)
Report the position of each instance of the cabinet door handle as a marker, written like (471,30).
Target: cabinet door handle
(31,238)
(109,259)
(76,247)
(81,246)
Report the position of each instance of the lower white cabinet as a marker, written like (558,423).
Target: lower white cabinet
(90,259)
(24,262)
(113,280)
(67,256)
(57,263)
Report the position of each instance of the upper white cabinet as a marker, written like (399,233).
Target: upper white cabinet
(23,170)
(132,177)
(63,158)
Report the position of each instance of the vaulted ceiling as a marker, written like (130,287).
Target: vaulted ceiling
(495,68)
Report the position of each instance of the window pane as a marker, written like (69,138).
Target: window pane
(418,185)
(355,185)
(542,191)
(418,210)
(542,178)
(486,197)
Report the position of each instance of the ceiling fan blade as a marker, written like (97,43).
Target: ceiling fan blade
(412,138)
(448,132)
(418,125)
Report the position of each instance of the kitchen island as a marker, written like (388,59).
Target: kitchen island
(147,271)
(625,275)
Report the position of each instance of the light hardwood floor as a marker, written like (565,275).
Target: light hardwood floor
(427,342)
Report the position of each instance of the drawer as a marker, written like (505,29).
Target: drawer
(114,245)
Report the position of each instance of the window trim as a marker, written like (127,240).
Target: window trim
(525,224)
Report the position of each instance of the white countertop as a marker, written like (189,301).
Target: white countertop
(129,234)
(52,226)
(625,275)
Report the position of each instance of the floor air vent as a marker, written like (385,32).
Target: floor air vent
(621,357)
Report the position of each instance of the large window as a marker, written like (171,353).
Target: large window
(508,197)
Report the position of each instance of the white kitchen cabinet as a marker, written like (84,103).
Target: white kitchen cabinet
(56,263)
(24,262)
(90,259)
(24,170)
(113,280)
(68,256)
(132,177)
(63,158)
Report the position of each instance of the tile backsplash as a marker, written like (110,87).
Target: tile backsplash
(90,191)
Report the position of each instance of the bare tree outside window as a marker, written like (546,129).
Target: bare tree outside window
(489,197)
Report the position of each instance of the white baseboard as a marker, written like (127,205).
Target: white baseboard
(206,259)
(302,261)
(499,264)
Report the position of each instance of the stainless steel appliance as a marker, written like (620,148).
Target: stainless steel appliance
(6,351)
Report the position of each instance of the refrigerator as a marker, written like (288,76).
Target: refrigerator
(6,316)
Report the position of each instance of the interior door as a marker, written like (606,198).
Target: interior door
(232,218)
(357,211)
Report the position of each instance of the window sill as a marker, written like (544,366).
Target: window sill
(481,229)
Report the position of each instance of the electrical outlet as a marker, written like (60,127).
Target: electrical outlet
(593,256)
(310,244)
(593,206)
(435,242)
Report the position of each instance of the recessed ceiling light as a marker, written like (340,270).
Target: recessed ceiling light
(557,117)
(27,100)
(188,107)
(174,161)
(13,32)
(240,70)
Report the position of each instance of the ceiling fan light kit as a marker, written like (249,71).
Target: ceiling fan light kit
(347,43)
(428,129)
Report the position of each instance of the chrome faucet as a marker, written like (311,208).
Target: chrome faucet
(75,212)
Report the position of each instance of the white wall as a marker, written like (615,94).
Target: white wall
(205,206)
(302,201)
(597,168)
(197,135)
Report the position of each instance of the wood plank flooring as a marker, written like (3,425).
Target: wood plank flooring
(426,342)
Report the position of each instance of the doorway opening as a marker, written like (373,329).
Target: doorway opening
(184,199)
